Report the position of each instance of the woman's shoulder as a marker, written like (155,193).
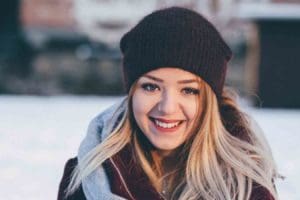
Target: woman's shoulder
(68,169)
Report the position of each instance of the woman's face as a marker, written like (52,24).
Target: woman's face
(165,106)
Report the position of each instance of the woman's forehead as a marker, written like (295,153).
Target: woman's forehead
(171,74)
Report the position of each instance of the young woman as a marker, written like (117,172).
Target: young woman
(177,134)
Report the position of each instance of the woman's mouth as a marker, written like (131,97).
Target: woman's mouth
(166,125)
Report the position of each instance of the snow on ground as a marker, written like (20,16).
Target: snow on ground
(38,134)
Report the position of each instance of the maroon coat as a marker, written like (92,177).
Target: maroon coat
(136,180)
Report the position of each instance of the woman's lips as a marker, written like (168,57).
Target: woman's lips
(166,125)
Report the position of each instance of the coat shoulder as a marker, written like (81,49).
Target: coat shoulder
(68,169)
(260,193)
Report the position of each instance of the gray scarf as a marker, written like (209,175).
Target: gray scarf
(96,185)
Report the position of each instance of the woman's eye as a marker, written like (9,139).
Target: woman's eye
(192,91)
(150,87)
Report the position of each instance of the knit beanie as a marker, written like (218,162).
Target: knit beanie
(175,37)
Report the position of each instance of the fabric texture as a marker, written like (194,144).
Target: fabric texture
(175,37)
(105,183)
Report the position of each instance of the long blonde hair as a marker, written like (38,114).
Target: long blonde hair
(221,160)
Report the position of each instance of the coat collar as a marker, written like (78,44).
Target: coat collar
(127,177)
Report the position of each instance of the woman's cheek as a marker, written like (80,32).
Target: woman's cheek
(190,107)
(143,103)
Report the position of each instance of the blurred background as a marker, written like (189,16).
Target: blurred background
(60,65)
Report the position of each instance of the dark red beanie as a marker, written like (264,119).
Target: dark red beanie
(175,37)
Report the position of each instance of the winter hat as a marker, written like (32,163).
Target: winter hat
(175,37)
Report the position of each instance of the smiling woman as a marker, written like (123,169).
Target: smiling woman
(177,134)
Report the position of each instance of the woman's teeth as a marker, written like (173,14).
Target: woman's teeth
(166,125)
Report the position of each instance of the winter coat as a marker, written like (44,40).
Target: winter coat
(119,177)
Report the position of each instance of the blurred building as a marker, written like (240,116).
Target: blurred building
(15,52)
(50,13)
(274,76)
(46,19)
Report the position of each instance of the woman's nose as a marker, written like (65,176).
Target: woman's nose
(168,104)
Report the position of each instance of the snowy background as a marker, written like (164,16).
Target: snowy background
(38,135)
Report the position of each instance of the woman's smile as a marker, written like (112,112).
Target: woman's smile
(166,125)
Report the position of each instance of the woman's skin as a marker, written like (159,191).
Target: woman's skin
(165,107)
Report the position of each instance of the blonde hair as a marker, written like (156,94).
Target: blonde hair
(221,160)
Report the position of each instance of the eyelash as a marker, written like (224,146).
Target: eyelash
(192,91)
(150,87)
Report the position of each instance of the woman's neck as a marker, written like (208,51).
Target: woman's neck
(167,160)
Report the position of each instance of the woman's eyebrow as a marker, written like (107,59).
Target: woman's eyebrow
(180,81)
(187,81)
(154,78)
